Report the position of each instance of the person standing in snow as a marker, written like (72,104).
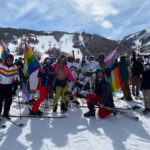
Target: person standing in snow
(124,73)
(74,68)
(61,87)
(137,69)
(103,65)
(8,74)
(85,64)
(46,75)
(146,88)
(102,96)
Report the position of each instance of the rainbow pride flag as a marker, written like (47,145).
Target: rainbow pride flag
(110,59)
(31,64)
(115,78)
(25,92)
(4,51)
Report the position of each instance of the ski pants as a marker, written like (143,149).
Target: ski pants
(43,94)
(60,91)
(6,96)
(146,95)
(96,99)
(136,82)
(126,89)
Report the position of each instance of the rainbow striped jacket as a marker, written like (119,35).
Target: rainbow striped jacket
(8,74)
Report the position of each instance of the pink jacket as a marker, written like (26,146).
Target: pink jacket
(67,72)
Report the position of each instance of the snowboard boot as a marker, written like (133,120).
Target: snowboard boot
(36,113)
(63,107)
(55,109)
(129,99)
(91,111)
(6,116)
(31,101)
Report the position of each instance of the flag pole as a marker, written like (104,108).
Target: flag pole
(19,106)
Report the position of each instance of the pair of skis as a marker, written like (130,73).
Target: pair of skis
(30,104)
(123,113)
(45,115)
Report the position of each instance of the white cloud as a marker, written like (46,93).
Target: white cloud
(111,18)
(106,24)
(99,9)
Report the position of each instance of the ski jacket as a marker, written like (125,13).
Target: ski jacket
(123,66)
(46,76)
(8,74)
(103,89)
(66,71)
(137,67)
(146,79)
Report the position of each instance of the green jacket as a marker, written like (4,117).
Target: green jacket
(123,66)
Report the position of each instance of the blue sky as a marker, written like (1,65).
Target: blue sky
(112,19)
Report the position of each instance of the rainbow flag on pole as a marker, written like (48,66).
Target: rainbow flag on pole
(4,51)
(115,78)
(31,64)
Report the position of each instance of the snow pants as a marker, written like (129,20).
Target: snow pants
(43,94)
(136,82)
(95,99)
(126,90)
(146,95)
(6,96)
(60,91)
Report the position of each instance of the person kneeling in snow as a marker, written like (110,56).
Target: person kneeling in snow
(102,95)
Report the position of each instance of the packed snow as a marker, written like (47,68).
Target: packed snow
(74,132)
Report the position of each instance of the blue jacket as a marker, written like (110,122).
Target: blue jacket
(46,74)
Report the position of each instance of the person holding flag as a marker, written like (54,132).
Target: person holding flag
(46,78)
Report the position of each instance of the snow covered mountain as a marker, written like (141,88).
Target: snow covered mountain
(139,40)
(47,43)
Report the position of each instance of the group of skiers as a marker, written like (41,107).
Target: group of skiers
(61,77)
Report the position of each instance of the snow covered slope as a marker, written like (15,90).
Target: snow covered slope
(139,40)
(46,43)
(76,132)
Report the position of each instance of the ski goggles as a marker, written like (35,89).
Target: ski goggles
(48,60)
